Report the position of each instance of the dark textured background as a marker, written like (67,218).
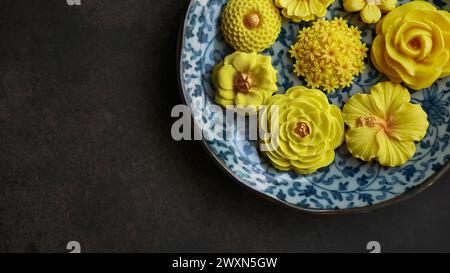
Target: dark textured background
(86,152)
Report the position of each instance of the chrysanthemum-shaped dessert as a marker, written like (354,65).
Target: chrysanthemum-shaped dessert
(309,130)
(329,54)
(245,80)
(251,25)
(384,125)
(303,10)
(413,45)
(371,10)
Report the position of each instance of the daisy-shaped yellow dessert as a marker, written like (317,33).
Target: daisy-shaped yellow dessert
(307,132)
(329,54)
(370,10)
(245,80)
(251,25)
(303,10)
(384,125)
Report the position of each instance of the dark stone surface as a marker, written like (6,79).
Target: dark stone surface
(86,152)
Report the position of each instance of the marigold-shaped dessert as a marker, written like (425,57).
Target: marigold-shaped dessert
(413,45)
(309,130)
(384,125)
(329,54)
(251,25)
(370,10)
(303,10)
(245,80)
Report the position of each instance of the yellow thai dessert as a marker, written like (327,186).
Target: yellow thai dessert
(329,54)
(306,133)
(303,10)
(384,125)
(370,10)
(245,80)
(413,45)
(251,25)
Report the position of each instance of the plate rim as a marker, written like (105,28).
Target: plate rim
(361,210)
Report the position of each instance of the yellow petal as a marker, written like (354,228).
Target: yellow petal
(244,62)
(386,97)
(222,101)
(225,77)
(354,5)
(226,94)
(393,153)
(362,142)
(408,123)
(263,77)
(317,8)
(253,98)
(388,5)
(402,10)
(370,14)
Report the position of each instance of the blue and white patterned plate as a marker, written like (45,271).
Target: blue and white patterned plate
(348,185)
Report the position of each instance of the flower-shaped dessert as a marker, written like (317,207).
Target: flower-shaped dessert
(413,45)
(309,130)
(384,125)
(370,10)
(251,25)
(329,54)
(244,79)
(303,10)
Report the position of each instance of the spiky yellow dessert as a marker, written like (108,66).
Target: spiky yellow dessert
(384,125)
(329,54)
(251,25)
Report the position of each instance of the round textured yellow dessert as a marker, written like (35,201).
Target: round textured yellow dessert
(329,54)
(244,79)
(251,25)
(413,45)
(307,132)
(384,125)
(303,10)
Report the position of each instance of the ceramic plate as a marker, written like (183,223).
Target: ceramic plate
(348,185)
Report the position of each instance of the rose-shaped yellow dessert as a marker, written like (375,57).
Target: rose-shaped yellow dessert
(329,54)
(370,10)
(303,10)
(244,79)
(310,129)
(251,25)
(413,45)
(384,125)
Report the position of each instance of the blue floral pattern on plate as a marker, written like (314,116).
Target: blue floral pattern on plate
(348,183)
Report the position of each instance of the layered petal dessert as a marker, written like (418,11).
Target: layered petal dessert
(307,130)
(413,45)
(370,10)
(245,80)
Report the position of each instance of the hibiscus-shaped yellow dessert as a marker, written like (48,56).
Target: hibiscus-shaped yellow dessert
(413,45)
(370,10)
(329,54)
(251,25)
(384,125)
(245,80)
(309,130)
(303,10)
